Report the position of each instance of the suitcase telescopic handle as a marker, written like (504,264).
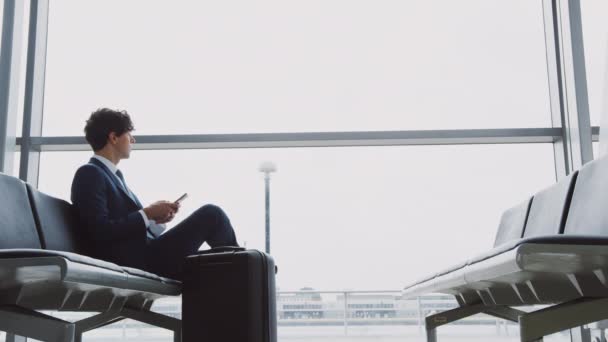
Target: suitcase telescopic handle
(222,249)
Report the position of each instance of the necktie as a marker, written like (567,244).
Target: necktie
(134,198)
(126,188)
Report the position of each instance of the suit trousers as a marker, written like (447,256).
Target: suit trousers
(165,255)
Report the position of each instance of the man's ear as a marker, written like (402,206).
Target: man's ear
(112,138)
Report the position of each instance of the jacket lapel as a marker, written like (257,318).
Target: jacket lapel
(114,179)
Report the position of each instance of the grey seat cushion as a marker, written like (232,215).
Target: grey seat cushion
(141,273)
(73,257)
(584,240)
(33,253)
(507,246)
(59,229)
(589,208)
(512,223)
(510,230)
(451,269)
(17,224)
(438,274)
(549,209)
(579,240)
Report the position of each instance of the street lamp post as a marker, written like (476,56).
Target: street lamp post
(267,168)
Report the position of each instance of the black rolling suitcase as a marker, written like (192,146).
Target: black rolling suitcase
(229,296)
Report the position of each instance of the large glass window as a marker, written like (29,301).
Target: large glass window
(596,150)
(343,218)
(16,161)
(284,66)
(595,35)
(356,224)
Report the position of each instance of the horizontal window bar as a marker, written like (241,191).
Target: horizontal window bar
(324,139)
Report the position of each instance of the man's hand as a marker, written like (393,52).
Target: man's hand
(161,211)
(166,219)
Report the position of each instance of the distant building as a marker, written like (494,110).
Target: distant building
(370,305)
(300,305)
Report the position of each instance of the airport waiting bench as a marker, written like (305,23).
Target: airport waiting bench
(551,250)
(43,267)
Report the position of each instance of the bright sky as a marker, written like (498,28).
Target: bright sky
(342,218)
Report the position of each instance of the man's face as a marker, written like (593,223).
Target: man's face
(123,145)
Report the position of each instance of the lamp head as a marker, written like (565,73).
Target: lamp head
(268,167)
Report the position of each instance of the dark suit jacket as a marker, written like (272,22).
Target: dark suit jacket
(109,216)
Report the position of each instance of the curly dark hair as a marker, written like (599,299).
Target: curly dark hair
(104,121)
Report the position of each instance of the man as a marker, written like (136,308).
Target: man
(120,229)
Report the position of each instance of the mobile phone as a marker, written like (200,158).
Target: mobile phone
(181,198)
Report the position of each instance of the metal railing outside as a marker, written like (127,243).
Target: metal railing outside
(368,308)
(312,311)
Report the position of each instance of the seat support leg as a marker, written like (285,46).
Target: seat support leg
(535,325)
(18,322)
(580,334)
(94,322)
(144,316)
(504,312)
(439,319)
(431,335)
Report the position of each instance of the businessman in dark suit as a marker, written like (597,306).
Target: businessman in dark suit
(119,227)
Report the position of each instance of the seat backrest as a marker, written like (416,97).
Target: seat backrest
(549,210)
(57,222)
(17,224)
(513,222)
(588,213)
